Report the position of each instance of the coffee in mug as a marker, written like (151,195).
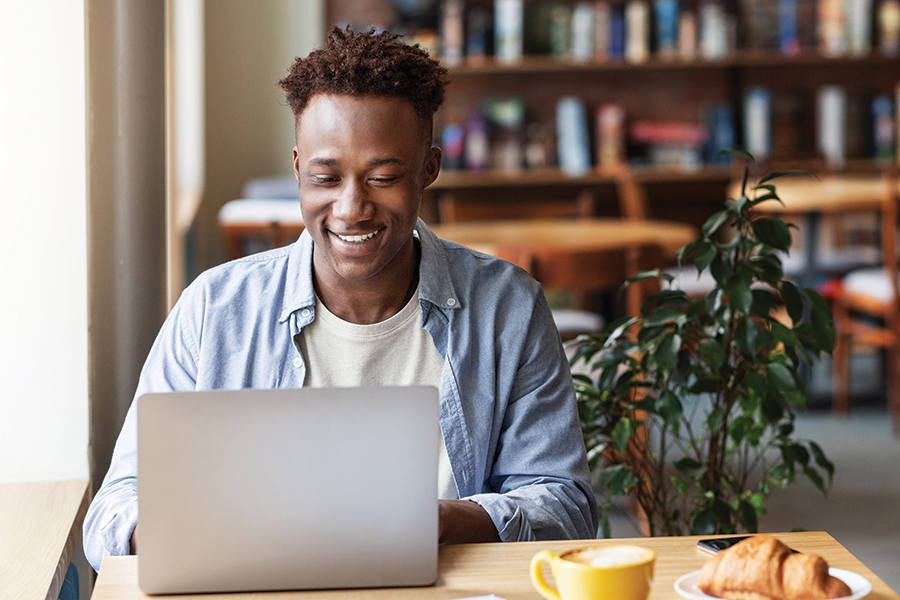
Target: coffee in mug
(618,571)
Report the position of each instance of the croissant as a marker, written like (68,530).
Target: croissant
(762,568)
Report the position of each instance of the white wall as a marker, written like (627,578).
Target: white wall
(43,245)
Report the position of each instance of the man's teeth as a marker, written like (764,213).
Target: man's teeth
(357,238)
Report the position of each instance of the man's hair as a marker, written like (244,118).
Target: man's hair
(369,63)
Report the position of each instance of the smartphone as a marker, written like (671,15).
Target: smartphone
(713,545)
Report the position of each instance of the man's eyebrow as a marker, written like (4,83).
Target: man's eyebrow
(328,162)
(377,162)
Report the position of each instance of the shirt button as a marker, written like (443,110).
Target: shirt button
(304,312)
(298,362)
(451,301)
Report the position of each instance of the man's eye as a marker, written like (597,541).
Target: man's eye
(322,179)
(384,179)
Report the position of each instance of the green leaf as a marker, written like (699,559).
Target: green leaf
(617,328)
(721,268)
(685,251)
(739,294)
(777,174)
(621,434)
(670,409)
(662,316)
(823,462)
(705,255)
(783,334)
(793,301)
(734,151)
(704,523)
(774,232)
(712,352)
(713,223)
(781,377)
(680,484)
(688,465)
(745,338)
(666,352)
(715,418)
(822,320)
(748,517)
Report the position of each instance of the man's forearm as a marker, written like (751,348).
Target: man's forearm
(463,522)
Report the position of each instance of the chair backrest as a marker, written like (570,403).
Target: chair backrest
(589,270)
(889,231)
(453,208)
(633,202)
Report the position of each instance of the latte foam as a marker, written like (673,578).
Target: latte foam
(609,556)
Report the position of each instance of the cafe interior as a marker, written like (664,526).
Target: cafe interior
(584,141)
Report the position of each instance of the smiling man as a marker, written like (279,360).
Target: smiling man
(369,296)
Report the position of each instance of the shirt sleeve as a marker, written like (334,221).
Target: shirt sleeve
(539,477)
(113,513)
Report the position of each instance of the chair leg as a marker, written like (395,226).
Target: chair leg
(892,383)
(840,372)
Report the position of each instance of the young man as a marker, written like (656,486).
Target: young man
(369,296)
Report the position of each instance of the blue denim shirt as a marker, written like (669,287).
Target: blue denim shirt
(507,404)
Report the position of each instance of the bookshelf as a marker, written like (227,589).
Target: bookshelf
(670,92)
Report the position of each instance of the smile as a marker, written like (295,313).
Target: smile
(357,238)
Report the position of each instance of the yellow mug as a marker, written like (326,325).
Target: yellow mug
(596,572)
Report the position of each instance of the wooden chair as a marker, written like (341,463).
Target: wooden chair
(252,225)
(867,311)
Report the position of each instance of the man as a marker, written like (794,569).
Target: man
(369,296)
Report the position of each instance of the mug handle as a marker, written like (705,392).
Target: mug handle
(537,575)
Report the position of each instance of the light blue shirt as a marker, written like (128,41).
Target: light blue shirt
(507,404)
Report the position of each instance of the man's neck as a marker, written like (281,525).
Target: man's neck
(374,300)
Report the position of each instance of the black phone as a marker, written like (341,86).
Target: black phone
(713,545)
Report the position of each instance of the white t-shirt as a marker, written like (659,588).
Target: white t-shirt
(397,351)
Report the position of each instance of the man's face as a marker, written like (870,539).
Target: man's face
(362,164)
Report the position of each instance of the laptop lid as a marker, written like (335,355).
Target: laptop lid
(287,489)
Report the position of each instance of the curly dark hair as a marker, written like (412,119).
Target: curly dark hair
(357,64)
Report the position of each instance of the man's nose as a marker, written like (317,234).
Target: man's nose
(352,204)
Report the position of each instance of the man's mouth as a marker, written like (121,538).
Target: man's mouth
(355,239)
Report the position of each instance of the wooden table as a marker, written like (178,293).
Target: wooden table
(812,199)
(593,234)
(502,569)
(40,523)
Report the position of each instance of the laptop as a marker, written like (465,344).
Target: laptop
(315,488)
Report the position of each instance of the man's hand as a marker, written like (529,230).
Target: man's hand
(463,522)
(133,548)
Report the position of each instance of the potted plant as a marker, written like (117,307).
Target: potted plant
(689,407)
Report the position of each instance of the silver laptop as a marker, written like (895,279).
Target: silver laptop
(287,489)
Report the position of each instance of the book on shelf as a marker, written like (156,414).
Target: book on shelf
(611,136)
(831,124)
(477,154)
(859,26)
(757,122)
(789,27)
(679,144)
(713,21)
(687,34)
(665,20)
(573,145)
(452,32)
(602,27)
(831,27)
(760,24)
(508,25)
(560,27)
(637,31)
(789,127)
(617,31)
(719,119)
(478,35)
(883,128)
(506,128)
(889,27)
(452,145)
(582,31)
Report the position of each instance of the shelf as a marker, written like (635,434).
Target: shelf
(743,58)
(457,180)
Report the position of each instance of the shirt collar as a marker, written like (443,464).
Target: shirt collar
(435,279)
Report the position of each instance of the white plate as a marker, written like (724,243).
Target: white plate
(689,585)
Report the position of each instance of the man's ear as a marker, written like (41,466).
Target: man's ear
(296,160)
(432,165)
